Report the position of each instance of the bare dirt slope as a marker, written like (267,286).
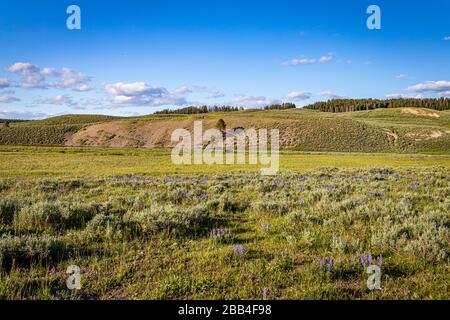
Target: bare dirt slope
(309,133)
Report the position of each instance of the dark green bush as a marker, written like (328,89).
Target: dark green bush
(8,209)
(27,250)
(173,220)
(56,215)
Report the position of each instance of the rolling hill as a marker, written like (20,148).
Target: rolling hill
(402,130)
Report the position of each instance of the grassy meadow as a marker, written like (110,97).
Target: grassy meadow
(140,227)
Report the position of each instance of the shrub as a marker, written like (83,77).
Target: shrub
(26,250)
(8,209)
(113,227)
(224,236)
(221,125)
(174,220)
(56,215)
(273,206)
(425,236)
(40,216)
(231,205)
(78,214)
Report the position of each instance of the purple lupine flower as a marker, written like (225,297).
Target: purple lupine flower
(363,259)
(376,193)
(379,260)
(216,233)
(414,185)
(265,293)
(369,258)
(324,262)
(203,197)
(239,249)
(321,263)
(331,187)
(265,226)
(330,265)
(279,184)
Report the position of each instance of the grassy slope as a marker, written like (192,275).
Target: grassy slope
(382,130)
(52,131)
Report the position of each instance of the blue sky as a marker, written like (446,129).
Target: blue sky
(136,57)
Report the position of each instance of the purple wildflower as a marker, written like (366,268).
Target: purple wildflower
(379,260)
(329,262)
(369,258)
(265,293)
(239,249)
(330,265)
(265,226)
(203,197)
(414,185)
(216,233)
(363,260)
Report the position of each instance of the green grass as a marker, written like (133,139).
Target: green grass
(99,162)
(140,227)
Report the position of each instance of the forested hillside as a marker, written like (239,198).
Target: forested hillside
(347,105)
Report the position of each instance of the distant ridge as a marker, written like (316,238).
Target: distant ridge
(349,105)
(393,130)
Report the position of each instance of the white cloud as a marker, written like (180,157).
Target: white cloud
(431,86)
(211,93)
(394,96)
(8,99)
(143,94)
(83,87)
(23,115)
(297,96)
(68,78)
(447,38)
(31,75)
(302,61)
(445,93)
(403,96)
(252,101)
(401,76)
(308,61)
(198,88)
(326,58)
(330,95)
(60,100)
(183,90)
(34,77)
(215,94)
(135,89)
(23,67)
(4,83)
